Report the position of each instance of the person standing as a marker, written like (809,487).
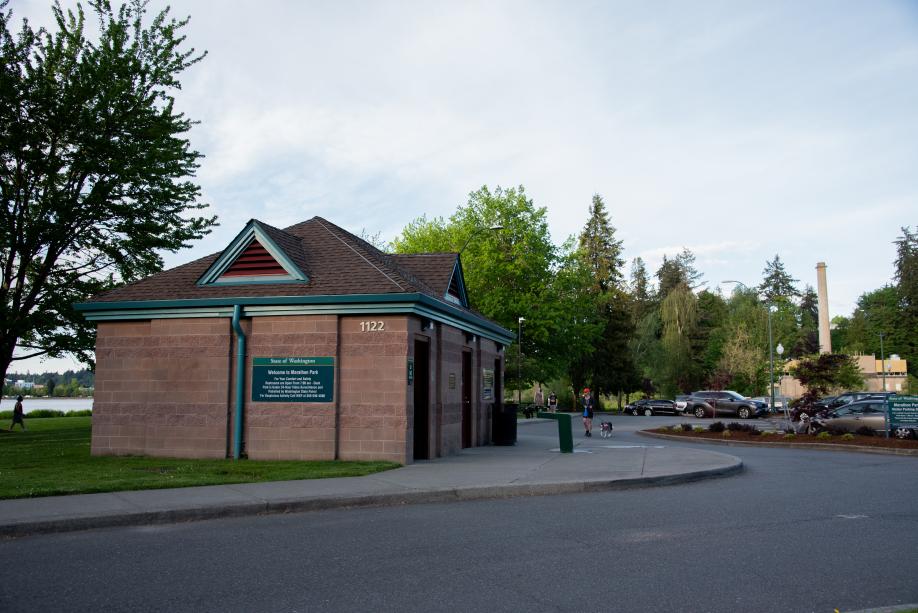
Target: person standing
(18,414)
(586,401)
(539,398)
(552,402)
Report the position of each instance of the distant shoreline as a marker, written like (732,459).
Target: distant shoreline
(58,404)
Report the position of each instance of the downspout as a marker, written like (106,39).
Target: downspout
(240,382)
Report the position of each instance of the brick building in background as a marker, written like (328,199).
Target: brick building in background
(347,353)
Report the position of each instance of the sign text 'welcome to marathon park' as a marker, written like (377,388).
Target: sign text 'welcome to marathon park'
(293,379)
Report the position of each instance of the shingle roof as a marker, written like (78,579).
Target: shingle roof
(336,262)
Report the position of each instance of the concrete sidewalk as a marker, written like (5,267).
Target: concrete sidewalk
(532,467)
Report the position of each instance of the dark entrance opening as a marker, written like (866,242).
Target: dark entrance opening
(498,400)
(466,399)
(421,400)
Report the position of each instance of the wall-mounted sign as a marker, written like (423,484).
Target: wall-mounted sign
(293,379)
(903,411)
(487,383)
(452,380)
(410,371)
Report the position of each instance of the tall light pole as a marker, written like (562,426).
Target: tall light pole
(494,228)
(780,350)
(771,356)
(519,365)
(882,361)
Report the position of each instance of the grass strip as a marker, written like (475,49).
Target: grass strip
(52,458)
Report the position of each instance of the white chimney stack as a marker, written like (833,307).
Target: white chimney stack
(825,338)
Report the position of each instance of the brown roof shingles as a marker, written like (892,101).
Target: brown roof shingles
(336,262)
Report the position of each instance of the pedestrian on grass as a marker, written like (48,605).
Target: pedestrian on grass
(586,401)
(17,414)
(552,402)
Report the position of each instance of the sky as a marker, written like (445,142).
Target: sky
(739,130)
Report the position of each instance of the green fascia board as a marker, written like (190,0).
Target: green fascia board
(250,232)
(457,271)
(416,303)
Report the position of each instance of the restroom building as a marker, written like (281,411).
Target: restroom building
(305,343)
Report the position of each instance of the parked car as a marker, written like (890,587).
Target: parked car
(779,402)
(870,413)
(727,403)
(830,403)
(653,406)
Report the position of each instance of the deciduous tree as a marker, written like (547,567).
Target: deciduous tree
(95,167)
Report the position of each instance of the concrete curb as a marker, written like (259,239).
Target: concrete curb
(896,608)
(322,503)
(817,446)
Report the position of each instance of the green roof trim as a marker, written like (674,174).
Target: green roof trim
(412,303)
(251,231)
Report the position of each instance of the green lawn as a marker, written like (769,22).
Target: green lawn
(52,458)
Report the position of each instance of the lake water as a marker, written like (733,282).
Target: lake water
(57,404)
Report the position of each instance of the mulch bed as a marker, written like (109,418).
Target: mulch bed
(745,437)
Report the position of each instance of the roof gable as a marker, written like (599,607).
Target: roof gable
(455,292)
(256,255)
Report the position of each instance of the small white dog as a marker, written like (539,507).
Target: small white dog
(605,430)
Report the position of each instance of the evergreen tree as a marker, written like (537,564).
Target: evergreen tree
(679,270)
(641,297)
(807,341)
(777,283)
(601,249)
(680,319)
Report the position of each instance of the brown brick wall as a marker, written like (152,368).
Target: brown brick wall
(161,388)
(165,388)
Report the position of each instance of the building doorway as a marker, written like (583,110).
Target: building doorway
(421,400)
(466,399)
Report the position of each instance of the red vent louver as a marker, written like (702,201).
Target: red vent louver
(255,261)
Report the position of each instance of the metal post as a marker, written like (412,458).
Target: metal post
(519,366)
(771,363)
(883,364)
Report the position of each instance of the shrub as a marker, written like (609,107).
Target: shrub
(726,434)
(754,431)
(80,413)
(717,426)
(824,435)
(790,435)
(847,436)
(865,431)
(698,429)
(735,427)
(6,415)
(45,413)
(836,431)
(686,427)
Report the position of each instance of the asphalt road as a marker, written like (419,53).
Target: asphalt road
(797,531)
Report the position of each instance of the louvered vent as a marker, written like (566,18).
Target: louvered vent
(255,261)
(454,287)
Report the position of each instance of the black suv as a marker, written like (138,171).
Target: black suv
(727,403)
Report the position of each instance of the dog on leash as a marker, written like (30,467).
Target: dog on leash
(605,430)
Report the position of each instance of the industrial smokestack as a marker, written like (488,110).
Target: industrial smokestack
(825,338)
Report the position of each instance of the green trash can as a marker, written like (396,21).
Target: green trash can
(565,430)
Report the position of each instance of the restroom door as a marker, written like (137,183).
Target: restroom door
(466,399)
(421,400)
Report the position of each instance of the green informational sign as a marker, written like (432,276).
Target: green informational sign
(293,379)
(903,411)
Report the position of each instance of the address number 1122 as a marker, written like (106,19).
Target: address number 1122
(372,326)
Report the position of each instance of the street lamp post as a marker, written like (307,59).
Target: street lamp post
(883,361)
(771,364)
(780,351)
(519,365)
(494,228)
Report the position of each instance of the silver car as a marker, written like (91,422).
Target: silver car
(854,416)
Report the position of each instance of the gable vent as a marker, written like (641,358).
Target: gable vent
(454,290)
(255,261)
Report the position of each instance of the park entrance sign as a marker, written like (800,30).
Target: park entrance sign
(903,411)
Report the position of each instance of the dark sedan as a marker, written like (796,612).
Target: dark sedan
(653,406)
